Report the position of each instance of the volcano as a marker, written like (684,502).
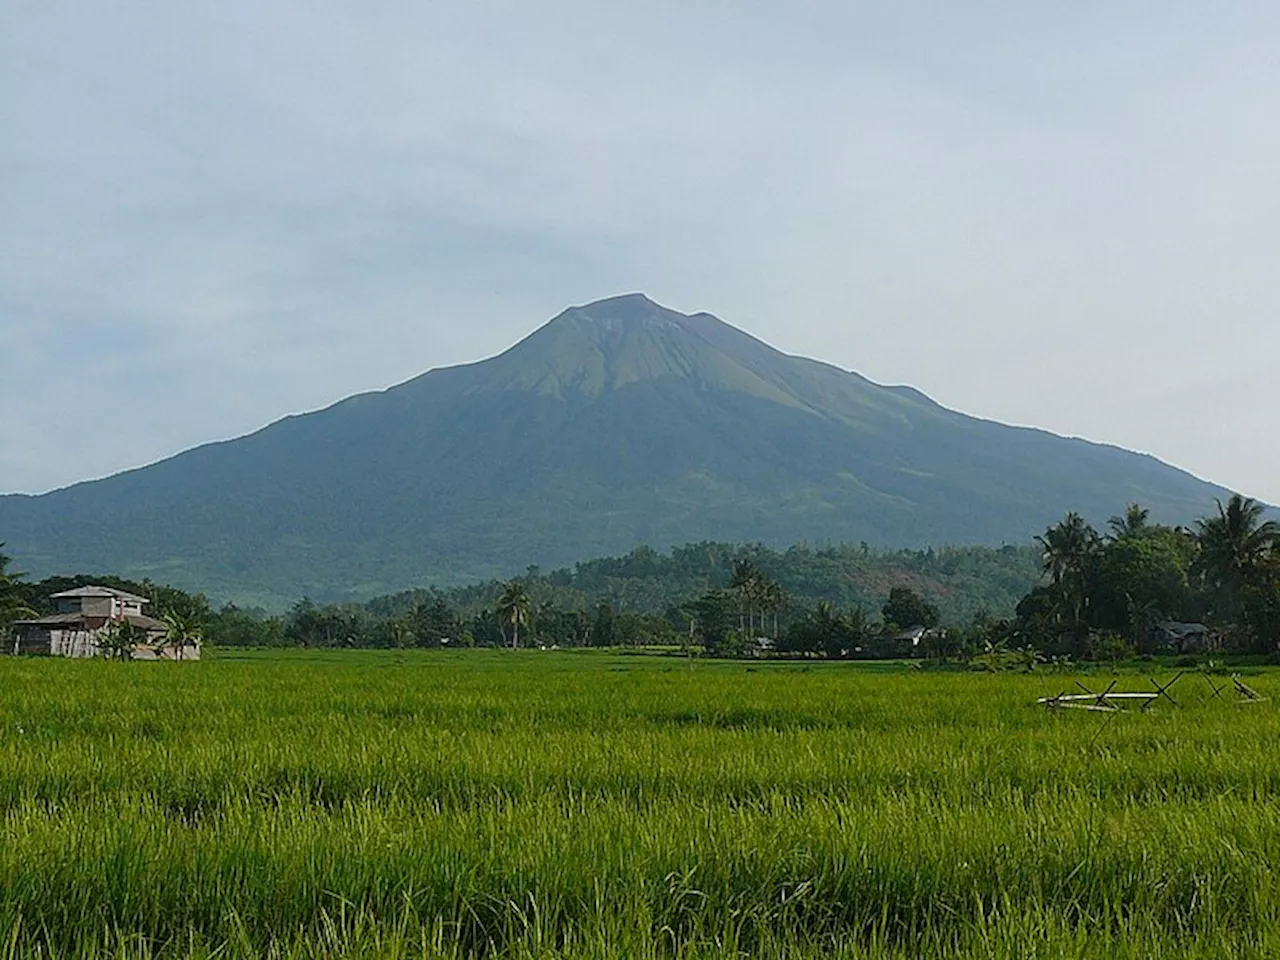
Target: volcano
(616,423)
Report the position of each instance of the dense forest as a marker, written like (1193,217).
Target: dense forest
(1138,587)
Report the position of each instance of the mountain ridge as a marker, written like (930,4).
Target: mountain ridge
(615,423)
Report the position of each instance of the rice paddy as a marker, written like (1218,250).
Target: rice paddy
(540,804)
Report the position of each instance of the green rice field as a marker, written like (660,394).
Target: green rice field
(545,804)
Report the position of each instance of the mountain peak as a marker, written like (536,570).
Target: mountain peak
(636,305)
(628,309)
(621,341)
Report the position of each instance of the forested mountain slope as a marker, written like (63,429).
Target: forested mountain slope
(615,424)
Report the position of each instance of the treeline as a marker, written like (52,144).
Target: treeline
(1138,587)
(751,614)
(642,597)
(648,598)
(960,581)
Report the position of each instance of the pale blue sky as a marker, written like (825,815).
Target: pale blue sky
(214,215)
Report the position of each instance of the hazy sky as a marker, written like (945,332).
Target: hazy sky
(213,215)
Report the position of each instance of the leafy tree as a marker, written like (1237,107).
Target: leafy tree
(946,645)
(829,628)
(543,619)
(1108,646)
(1260,602)
(683,622)
(234,627)
(570,628)
(433,622)
(1141,578)
(983,635)
(826,630)
(801,636)
(1039,619)
(637,629)
(394,633)
(712,615)
(906,608)
(309,625)
(486,629)
(602,627)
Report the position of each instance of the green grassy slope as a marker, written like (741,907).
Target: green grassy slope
(615,424)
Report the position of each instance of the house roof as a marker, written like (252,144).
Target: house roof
(72,619)
(1182,629)
(93,590)
(55,620)
(146,623)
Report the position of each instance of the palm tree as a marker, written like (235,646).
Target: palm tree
(181,633)
(1067,547)
(830,628)
(513,608)
(7,577)
(120,639)
(773,599)
(1133,521)
(12,606)
(545,620)
(1068,550)
(1234,547)
(744,581)
(1143,617)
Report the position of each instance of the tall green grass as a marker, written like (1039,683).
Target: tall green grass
(570,805)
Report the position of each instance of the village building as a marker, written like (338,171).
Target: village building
(1185,637)
(81,621)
